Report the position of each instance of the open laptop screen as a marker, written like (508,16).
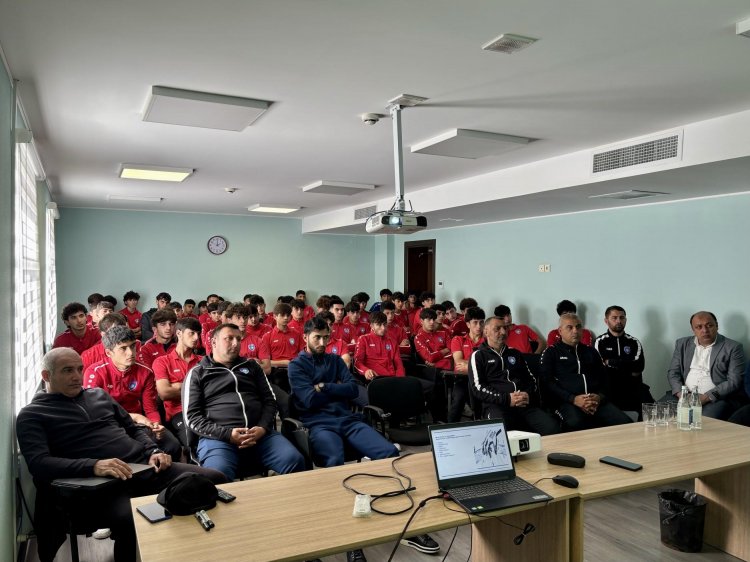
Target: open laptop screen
(472,449)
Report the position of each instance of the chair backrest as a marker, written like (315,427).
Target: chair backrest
(400,396)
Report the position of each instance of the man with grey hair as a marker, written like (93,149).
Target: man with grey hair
(573,376)
(711,363)
(131,384)
(69,432)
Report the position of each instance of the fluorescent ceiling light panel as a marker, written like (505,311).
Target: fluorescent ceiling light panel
(202,109)
(134,199)
(258,208)
(465,143)
(337,187)
(154,173)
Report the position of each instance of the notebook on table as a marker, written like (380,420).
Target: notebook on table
(475,467)
(97,482)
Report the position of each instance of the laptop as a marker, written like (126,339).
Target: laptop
(475,467)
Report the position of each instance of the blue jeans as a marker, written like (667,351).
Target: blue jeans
(272,452)
(328,438)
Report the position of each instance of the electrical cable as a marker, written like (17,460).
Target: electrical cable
(405,487)
(411,518)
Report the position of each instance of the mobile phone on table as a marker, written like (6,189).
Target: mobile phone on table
(154,512)
(627,465)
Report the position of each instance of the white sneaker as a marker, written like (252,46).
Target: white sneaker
(101,534)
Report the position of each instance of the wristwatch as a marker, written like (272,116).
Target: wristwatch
(155,452)
(319,386)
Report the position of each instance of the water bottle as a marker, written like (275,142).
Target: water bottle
(684,411)
(697,409)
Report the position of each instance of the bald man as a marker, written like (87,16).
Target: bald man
(69,432)
(712,363)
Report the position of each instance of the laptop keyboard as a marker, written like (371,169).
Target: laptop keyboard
(490,489)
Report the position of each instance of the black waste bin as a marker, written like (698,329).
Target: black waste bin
(682,515)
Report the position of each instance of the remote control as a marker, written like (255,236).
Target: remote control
(225,496)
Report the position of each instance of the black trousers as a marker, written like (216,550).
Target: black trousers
(575,419)
(529,418)
(105,508)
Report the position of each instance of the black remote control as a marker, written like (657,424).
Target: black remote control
(225,497)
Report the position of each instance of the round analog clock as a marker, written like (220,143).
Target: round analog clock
(217,245)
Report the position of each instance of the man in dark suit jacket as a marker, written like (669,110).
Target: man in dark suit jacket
(712,363)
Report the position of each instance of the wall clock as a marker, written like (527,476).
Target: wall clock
(217,245)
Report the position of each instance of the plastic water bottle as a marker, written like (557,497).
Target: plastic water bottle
(684,411)
(697,409)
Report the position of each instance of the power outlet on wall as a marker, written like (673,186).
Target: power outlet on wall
(544,268)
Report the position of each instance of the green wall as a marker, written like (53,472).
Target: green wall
(113,251)
(660,262)
(7,437)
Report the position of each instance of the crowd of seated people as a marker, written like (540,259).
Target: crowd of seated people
(166,365)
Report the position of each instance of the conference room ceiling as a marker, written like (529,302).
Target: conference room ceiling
(601,72)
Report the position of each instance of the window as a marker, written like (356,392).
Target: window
(50,278)
(27,294)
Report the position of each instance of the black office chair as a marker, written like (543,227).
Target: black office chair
(299,435)
(396,409)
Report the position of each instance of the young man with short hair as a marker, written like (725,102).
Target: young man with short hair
(103,308)
(352,326)
(79,335)
(132,386)
(362,299)
(207,327)
(568,307)
(323,304)
(459,327)
(131,312)
(520,336)
(97,353)
(177,309)
(147,330)
(170,371)
(308,311)
(385,296)
(298,315)
(189,308)
(400,315)
(432,344)
(338,309)
(163,322)
(461,348)
(202,309)
(394,329)
(450,317)
(281,344)
(376,354)
(93,300)
(427,299)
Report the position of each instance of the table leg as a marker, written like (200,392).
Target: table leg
(728,510)
(493,542)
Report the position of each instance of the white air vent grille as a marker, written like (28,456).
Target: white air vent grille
(364,212)
(637,154)
(509,43)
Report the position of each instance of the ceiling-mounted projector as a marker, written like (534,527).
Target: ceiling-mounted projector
(397,222)
(397,219)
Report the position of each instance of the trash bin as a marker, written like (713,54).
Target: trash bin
(682,515)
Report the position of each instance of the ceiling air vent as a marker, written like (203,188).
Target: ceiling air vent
(509,43)
(645,152)
(364,212)
(630,194)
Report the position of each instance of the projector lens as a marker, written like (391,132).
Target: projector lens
(393,220)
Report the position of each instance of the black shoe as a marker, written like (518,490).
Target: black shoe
(422,543)
(355,556)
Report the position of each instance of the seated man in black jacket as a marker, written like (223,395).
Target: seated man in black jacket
(69,432)
(573,376)
(228,402)
(501,380)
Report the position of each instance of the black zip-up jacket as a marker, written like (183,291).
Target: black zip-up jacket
(216,399)
(494,375)
(568,371)
(624,353)
(63,437)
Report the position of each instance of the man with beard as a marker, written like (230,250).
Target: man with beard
(623,358)
(322,387)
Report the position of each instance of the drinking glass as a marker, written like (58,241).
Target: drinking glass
(649,415)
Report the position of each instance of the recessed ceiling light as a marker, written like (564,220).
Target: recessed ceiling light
(258,208)
(154,173)
(337,187)
(509,43)
(629,194)
(134,199)
(466,143)
(448,219)
(174,106)
(743,28)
